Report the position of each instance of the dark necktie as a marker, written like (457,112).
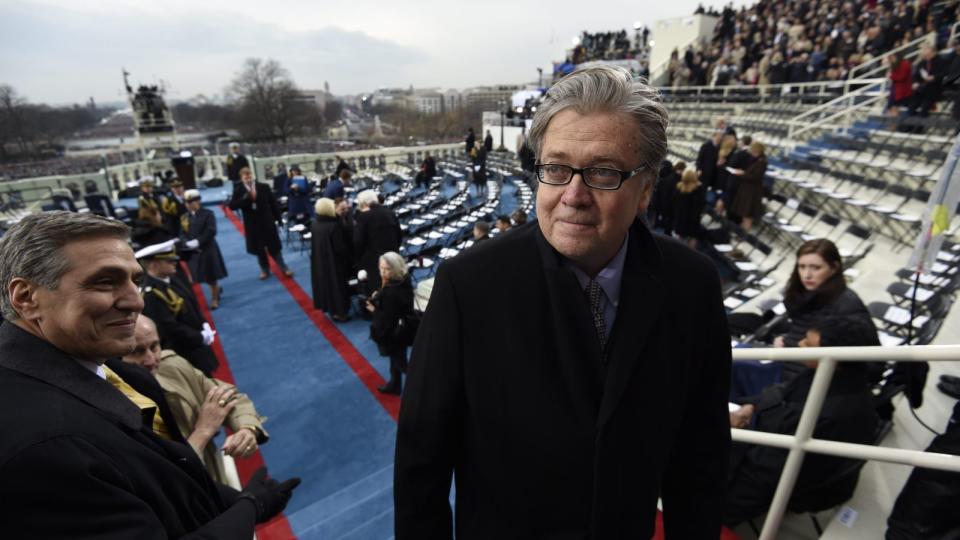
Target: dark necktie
(596,310)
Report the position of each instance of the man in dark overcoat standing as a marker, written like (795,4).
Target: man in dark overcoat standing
(235,162)
(376,232)
(261,217)
(88,448)
(603,387)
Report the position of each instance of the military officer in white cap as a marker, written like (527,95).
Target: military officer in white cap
(199,230)
(174,309)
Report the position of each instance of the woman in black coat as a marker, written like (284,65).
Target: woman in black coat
(748,202)
(816,291)
(661,204)
(393,301)
(329,261)
(688,202)
(206,265)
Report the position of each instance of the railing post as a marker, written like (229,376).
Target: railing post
(805,428)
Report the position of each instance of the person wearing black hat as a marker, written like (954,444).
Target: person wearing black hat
(199,231)
(173,307)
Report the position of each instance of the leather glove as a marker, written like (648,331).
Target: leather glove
(269,496)
(208,334)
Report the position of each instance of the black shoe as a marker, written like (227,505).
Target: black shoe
(390,388)
(952,390)
(951,379)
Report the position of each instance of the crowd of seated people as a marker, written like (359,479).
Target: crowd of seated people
(603,46)
(608,46)
(804,41)
(49,167)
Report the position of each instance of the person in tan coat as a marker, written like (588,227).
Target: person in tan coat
(200,404)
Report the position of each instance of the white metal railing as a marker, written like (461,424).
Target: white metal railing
(872,92)
(803,442)
(760,90)
(876,66)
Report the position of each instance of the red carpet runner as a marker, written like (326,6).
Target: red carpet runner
(277,528)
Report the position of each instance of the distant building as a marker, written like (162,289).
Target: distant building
(489,98)
(390,97)
(452,100)
(316,97)
(428,101)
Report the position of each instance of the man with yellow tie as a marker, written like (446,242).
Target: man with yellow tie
(173,307)
(80,457)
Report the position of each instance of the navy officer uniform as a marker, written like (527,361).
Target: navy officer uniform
(174,308)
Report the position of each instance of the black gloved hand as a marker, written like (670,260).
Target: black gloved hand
(269,496)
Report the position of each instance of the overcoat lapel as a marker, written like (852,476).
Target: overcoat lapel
(23,352)
(641,298)
(578,355)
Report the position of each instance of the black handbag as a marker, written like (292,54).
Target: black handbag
(406,330)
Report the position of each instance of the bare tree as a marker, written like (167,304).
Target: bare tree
(268,101)
(12,108)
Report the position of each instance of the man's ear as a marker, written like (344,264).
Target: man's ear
(645,194)
(23,297)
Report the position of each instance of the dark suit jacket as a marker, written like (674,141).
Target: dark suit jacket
(260,217)
(707,164)
(234,166)
(77,461)
(545,442)
(376,232)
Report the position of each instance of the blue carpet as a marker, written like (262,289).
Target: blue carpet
(324,425)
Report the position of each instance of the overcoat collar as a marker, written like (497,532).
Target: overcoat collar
(29,355)
(641,297)
(578,356)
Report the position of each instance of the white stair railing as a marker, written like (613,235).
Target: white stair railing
(877,67)
(841,108)
(803,442)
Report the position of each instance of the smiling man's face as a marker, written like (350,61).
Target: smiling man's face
(92,313)
(588,225)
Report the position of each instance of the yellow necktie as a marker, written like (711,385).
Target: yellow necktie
(140,400)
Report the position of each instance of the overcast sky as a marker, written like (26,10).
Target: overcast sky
(65,51)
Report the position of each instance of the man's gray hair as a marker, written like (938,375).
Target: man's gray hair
(33,249)
(607,89)
(398,266)
(368,197)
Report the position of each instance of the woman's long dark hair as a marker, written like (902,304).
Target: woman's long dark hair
(832,287)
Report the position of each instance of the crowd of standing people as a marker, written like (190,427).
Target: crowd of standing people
(728,174)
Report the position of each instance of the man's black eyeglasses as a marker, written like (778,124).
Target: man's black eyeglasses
(595,177)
